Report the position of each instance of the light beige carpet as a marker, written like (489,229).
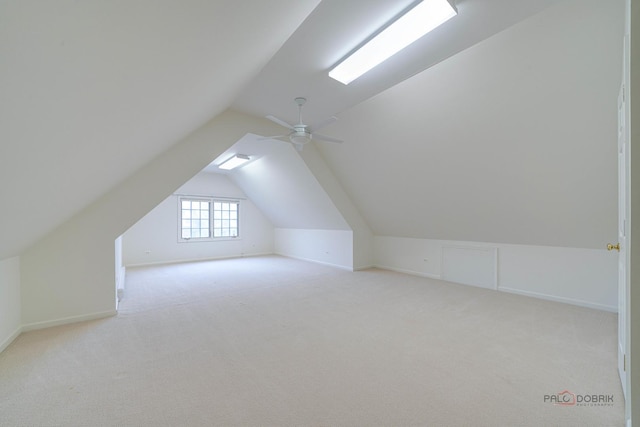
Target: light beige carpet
(271,341)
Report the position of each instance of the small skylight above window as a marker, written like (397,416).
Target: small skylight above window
(234,162)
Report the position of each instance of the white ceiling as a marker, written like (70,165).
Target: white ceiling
(279,183)
(91,91)
(335,27)
(510,138)
(511,141)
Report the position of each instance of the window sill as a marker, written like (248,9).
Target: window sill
(209,239)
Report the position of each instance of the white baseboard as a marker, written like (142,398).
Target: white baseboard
(571,301)
(4,344)
(315,261)
(411,272)
(183,261)
(66,320)
(50,323)
(564,300)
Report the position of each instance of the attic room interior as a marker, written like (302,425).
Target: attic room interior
(444,236)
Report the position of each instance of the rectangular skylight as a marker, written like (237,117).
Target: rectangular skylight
(234,162)
(424,17)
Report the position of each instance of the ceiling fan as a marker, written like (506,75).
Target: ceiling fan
(301,133)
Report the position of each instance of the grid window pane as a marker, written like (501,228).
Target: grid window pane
(225,216)
(194,219)
(202,218)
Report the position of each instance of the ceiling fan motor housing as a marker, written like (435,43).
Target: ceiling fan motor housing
(300,135)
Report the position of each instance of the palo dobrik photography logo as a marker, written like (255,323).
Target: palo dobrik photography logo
(564,398)
(567,398)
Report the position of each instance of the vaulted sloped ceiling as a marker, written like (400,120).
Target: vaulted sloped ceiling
(500,126)
(281,185)
(511,141)
(92,90)
(335,27)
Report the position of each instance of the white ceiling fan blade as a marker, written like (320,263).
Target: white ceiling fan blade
(280,122)
(325,122)
(264,138)
(326,138)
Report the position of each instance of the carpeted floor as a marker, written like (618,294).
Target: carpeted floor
(271,341)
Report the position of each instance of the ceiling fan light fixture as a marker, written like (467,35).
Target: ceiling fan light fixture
(301,134)
(415,23)
(234,161)
(299,137)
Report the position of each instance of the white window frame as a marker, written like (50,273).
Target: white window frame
(211,201)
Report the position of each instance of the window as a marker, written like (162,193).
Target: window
(225,219)
(205,219)
(195,219)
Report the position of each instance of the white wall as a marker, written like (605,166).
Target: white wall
(586,277)
(633,298)
(286,191)
(331,247)
(154,239)
(120,270)
(69,274)
(362,237)
(10,313)
(512,140)
(92,91)
(314,218)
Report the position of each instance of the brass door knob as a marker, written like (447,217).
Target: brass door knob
(611,247)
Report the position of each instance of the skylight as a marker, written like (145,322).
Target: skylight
(234,162)
(418,21)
